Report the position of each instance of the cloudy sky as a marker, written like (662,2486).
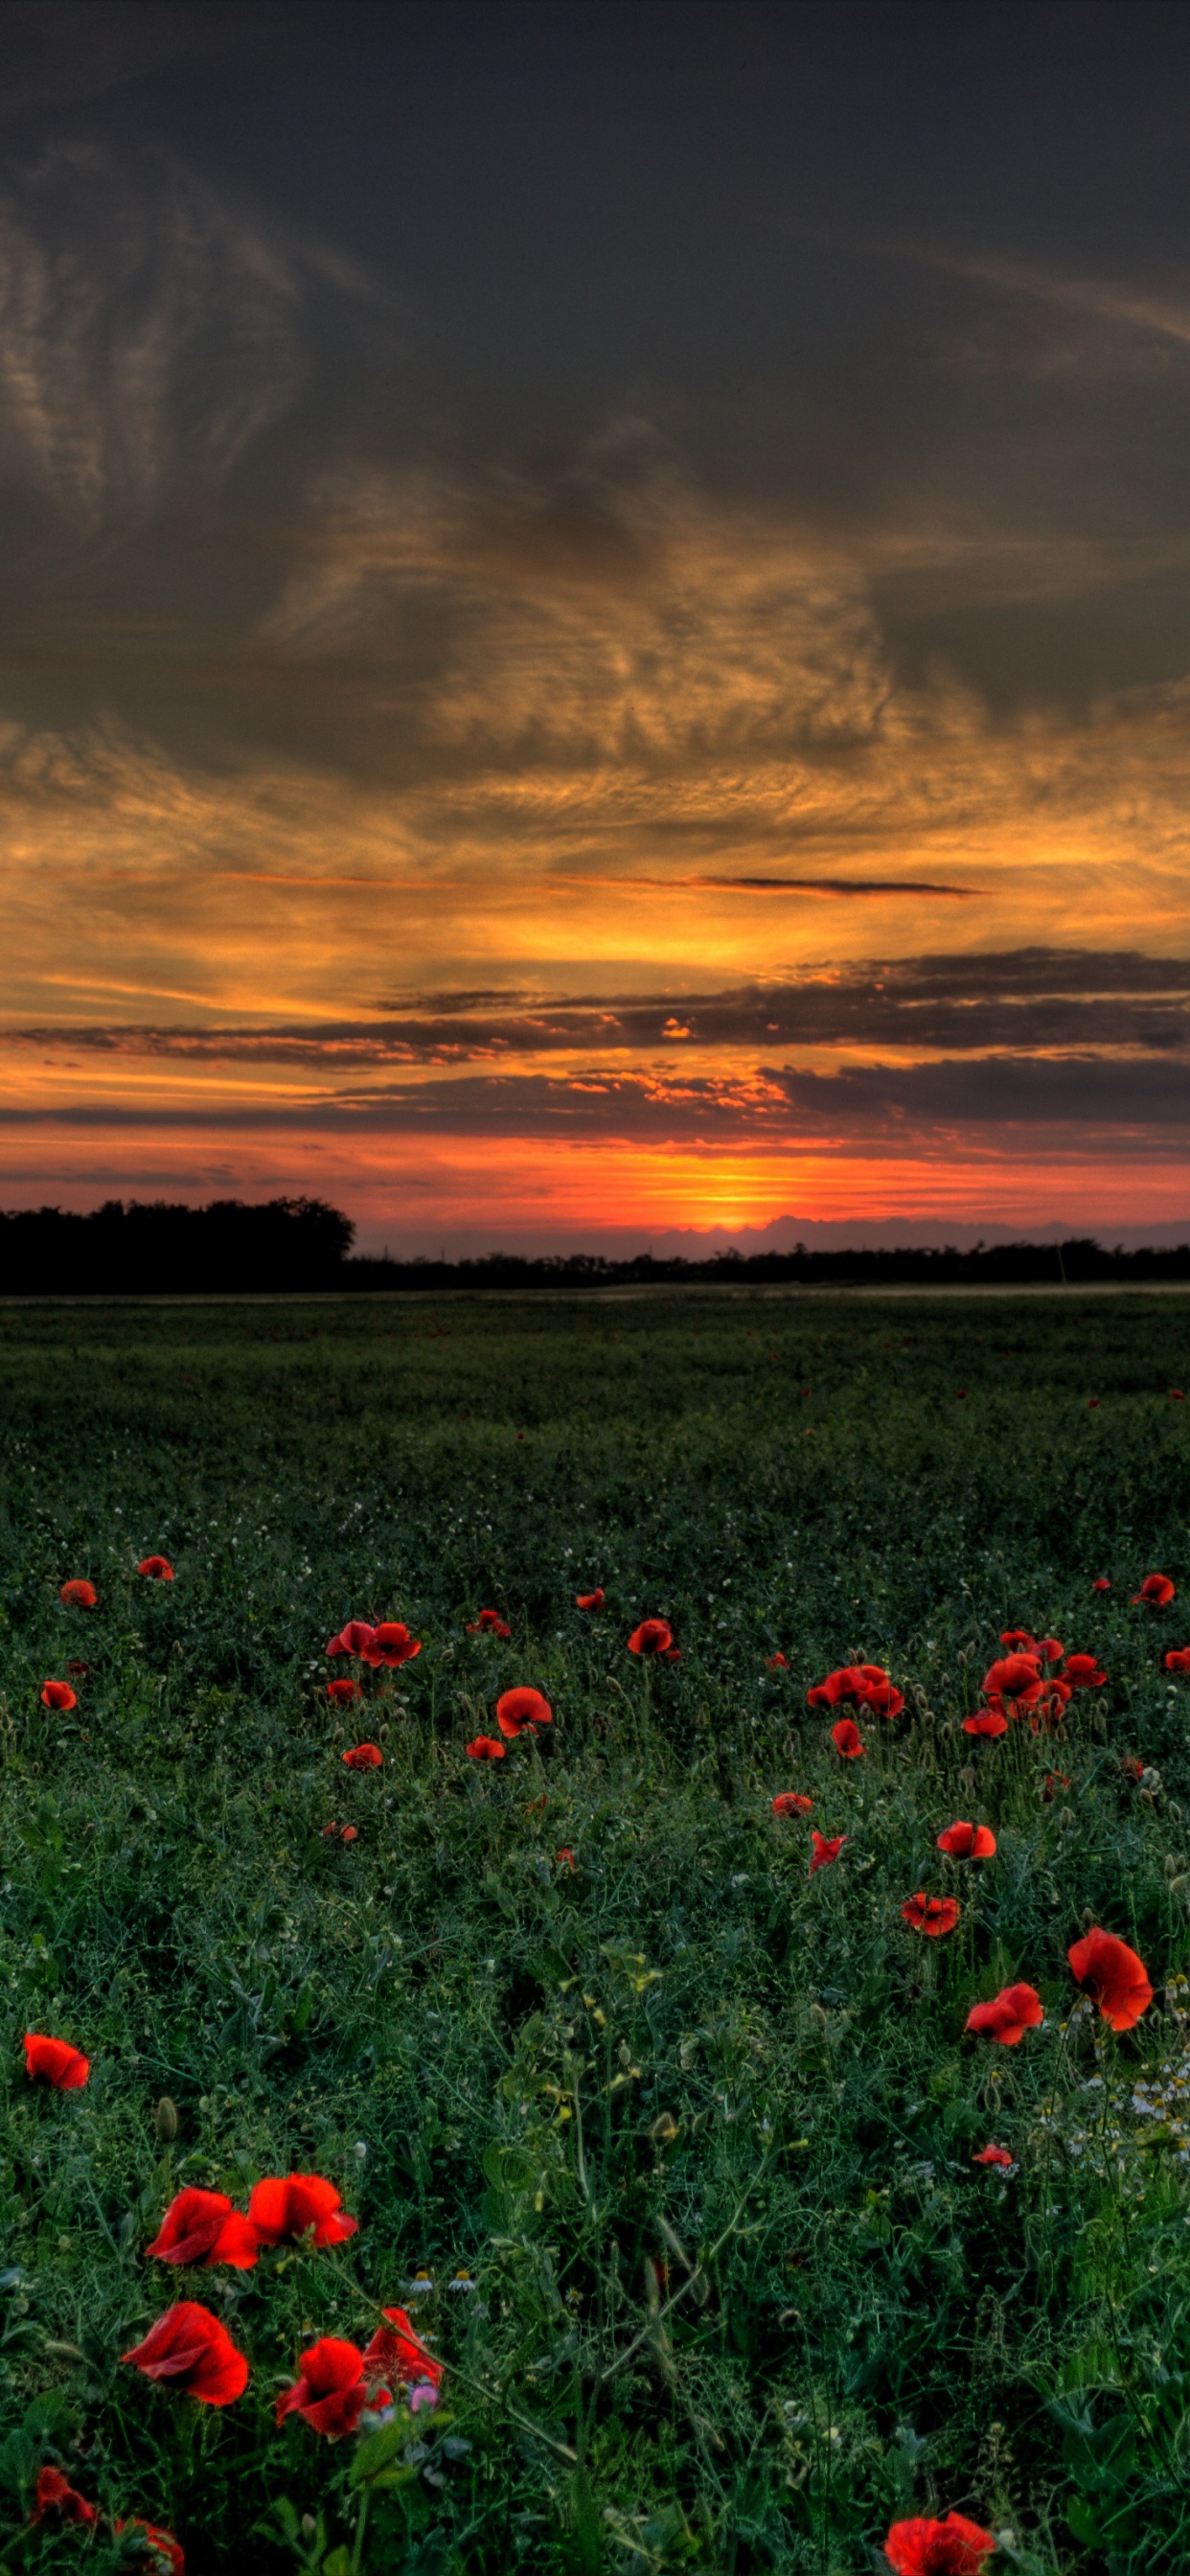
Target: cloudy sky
(595,614)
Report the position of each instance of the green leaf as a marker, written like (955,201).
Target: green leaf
(377,2449)
(46,2414)
(301,2011)
(338,2564)
(18,2463)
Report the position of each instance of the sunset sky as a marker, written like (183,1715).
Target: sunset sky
(595,624)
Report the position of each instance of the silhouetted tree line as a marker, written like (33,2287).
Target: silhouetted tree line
(127,1248)
(1074,1264)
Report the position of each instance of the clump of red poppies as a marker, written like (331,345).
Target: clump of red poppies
(865,1686)
(388,1644)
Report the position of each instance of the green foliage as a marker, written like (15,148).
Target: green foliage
(680,2137)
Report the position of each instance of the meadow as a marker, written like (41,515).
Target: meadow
(667,2145)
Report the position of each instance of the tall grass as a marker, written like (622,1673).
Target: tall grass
(680,2137)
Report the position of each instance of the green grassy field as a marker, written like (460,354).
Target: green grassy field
(681,2135)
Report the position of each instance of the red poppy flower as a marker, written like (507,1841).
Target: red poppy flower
(330,2392)
(191,2347)
(566,1855)
(163,2555)
(284,2209)
(860,1686)
(78,1672)
(391,1645)
(1016,1678)
(329,1829)
(521,1710)
(790,1802)
(1092,1404)
(1156,1588)
(57,2500)
(78,1595)
(968,1842)
(932,1915)
(777,1663)
(1176,1396)
(953,2547)
(986,1721)
(1102,1583)
(1178,1660)
(1054,1780)
(57,1695)
(55,2062)
(1050,1709)
(364,1757)
(157,1567)
(825,1848)
(486,1748)
(993,2156)
(489,1624)
(340,1693)
(1046,1650)
(589,1600)
(202,2227)
(1132,1767)
(354,1639)
(961,1394)
(396,2351)
(1114,1975)
(1008,2016)
(1083,1673)
(653,1637)
(350,1834)
(846,1739)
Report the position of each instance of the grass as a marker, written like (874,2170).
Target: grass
(698,2127)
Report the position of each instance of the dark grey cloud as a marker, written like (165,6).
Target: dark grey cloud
(1091,1104)
(1014,1000)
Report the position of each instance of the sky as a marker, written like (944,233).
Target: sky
(595,616)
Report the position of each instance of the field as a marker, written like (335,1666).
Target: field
(681,2136)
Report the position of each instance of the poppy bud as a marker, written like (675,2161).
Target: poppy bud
(165,2121)
(1171,1866)
(817,2014)
(967,1775)
(1066,1819)
(1088,1919)
(664,2129)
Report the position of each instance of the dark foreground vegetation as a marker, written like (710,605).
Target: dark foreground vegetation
(128,1248)
(669,2147)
